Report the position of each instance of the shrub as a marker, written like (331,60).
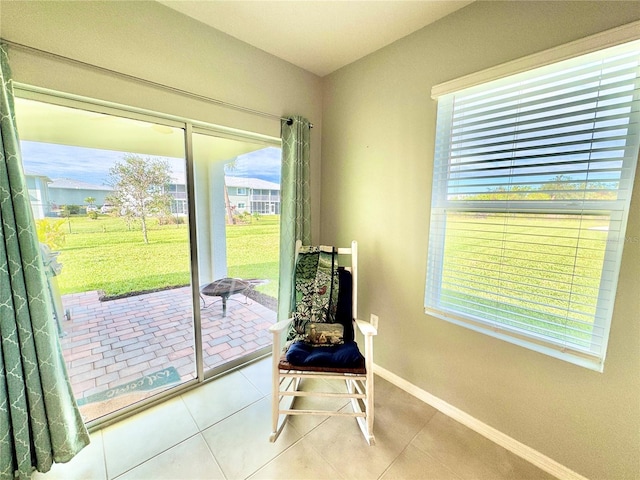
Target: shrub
(243,218)
(50,233)
(170,220)
(68,210)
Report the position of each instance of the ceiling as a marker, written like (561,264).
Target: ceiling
(317,35)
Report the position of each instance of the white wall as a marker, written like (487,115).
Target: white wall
(148,40)
(377,155)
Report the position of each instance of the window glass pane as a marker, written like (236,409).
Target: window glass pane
(104,196)
(238,245)
(531,190)
(539,273)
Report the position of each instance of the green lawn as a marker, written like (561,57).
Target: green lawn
(534,272)
(104,254)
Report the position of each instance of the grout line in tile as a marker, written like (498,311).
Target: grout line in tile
(213,455)
(326,460)
(252,383)
(181,397)
(410,444)
(279,454)
(238,411)
(429,454)
(104,454)
(395,459)
(156,455)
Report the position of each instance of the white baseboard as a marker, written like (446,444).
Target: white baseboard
(527,453)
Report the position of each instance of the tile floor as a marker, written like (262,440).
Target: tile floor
(220,430)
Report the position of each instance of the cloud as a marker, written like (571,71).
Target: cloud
(263,164)
(64,161)
(92,165)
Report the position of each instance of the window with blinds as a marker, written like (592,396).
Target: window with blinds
(531,188)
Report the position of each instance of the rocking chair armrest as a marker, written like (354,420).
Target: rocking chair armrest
(366,328)
(280,326)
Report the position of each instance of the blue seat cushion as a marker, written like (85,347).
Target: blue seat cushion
(346,355)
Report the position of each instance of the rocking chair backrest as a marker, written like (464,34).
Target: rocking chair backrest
(325,293)
(353,268)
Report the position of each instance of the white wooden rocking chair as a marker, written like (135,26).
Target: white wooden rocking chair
(288,373)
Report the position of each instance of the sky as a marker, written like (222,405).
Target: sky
(92,165)
(264,164)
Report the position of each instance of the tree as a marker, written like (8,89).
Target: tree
(140,188)
(231,166)
(562,187)
(91,208)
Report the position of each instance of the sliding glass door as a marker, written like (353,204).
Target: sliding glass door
(162,268)
(237,192)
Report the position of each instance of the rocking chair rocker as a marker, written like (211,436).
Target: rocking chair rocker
(320,340)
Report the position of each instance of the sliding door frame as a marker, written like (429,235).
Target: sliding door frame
(189,126)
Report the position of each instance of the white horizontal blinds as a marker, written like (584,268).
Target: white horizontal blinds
(533,272)
(532,182)
(564,133)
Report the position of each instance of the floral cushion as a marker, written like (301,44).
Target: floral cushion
(316,290)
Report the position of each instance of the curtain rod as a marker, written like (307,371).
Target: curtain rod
(151,83)
(290,121)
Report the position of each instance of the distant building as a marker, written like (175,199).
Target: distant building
(47,196)
(179,203)
(64,191)
(39,194)
(253,195)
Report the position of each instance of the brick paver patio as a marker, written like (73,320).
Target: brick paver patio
(114,343)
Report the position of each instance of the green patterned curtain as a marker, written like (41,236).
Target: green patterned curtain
(39,420)
(295,201)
